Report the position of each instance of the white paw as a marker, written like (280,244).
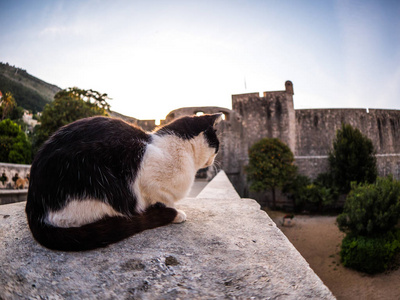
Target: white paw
(180,217)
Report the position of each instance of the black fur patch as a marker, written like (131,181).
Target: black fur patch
(94,157)
(190,126)
(212,138)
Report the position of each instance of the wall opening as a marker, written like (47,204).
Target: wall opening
(225,116)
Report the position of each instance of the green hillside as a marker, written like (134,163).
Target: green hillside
(30,92)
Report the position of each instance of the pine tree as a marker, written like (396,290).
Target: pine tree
(352,158)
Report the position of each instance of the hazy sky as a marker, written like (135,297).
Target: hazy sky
(155,56)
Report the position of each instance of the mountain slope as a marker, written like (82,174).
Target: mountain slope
(30,92)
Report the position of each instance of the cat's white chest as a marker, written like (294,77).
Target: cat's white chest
(167,171)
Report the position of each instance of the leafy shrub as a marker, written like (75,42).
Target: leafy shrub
(371,209)
(370,254)
(296,190)
(14,145)
(308,195)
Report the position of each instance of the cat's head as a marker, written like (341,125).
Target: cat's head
(200,131)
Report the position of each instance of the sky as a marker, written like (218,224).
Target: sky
(152,57)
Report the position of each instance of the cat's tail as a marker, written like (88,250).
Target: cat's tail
(101,233)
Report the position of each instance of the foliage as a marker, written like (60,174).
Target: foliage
(69,105)
(312,196)
(9,108)
(371,209)
(352,158)
(7,105)
(89,96)
(270,165)
(370,254)
(296,190)
(14,146)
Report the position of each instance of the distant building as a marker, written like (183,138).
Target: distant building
(28,119)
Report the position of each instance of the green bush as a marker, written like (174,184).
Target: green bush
(14,145)
(296,190)
(370,254)
(371,209)
(311,196)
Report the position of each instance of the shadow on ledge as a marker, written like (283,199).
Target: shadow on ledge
(228,248)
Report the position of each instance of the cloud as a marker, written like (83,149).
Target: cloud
(54,30)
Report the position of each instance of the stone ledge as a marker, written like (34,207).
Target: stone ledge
(228,248)
(11,196)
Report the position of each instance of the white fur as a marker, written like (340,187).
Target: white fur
(169,167)
(77,213)
(167,173)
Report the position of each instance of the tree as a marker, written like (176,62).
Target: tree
(14,146)
(352,158)
(68,106)
(7,105)
(9,108)
(270,166)
(89,96)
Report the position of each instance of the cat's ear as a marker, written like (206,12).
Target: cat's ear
(217,118)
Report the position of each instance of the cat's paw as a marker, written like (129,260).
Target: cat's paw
(180,217)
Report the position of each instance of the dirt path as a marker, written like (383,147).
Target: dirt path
(318,239)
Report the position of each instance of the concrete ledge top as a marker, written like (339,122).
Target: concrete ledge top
(9,191)
(228,248)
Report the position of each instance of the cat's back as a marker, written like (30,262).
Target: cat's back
(96,131)
(96,141)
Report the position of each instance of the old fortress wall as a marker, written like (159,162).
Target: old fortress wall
(308,132)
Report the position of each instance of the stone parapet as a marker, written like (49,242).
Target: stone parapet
(11,172)
(227,249)
(11,196)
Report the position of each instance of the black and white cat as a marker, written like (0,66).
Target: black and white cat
(99,180)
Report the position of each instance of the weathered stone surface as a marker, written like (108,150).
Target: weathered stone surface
(228,248)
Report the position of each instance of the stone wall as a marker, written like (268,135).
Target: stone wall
(267,116)
(12,196)
(308,132)
(316,130)
(147,125)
